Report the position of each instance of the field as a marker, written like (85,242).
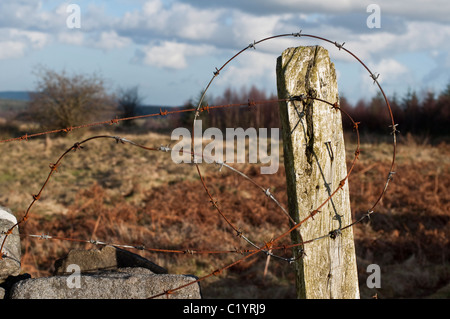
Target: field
(125,195)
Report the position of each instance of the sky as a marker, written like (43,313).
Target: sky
(170,49)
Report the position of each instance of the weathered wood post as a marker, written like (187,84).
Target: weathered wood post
(315,163)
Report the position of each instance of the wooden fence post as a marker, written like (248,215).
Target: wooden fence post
(315,163)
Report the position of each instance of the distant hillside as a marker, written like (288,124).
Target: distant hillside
(15,95)
(13,102)
(12,105)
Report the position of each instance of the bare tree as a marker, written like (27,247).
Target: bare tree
(128,102)
(62,100)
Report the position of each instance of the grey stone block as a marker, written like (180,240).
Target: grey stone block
(106,258)
(125,283)
(10,262)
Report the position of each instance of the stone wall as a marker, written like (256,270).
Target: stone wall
(106,273)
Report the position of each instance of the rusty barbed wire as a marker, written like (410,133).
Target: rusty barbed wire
(79,145)
(161,113)
(299,34)
(269,246)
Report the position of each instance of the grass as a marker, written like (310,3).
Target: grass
(122,194)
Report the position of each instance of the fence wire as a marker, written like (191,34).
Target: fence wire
(270,246)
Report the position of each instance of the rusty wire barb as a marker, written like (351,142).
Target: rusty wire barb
(339,46)
(268,247)
(375,77)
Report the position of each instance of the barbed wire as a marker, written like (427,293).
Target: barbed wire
(79,145)
(161,113)
(268,246)
(334,233)
(266,190)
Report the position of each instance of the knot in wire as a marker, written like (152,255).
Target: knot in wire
(76,146)
(44,236)
(391,176)
(298,34)
(299,98)
(220,163)
(169,292)
(119,139)
(24,137)
(314,212)
(214,203)
(340,46)
(334,233)
(163,113)
(394,129)
(54,167)
(369,212)
(205,108)
(269,246)
(68,129)
(374,77)
(252,45)
(164,148)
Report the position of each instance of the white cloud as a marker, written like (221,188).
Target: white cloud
(390,70)
(109,40)
(30,15)
(431,10)
(73,37)
(15,43)
(179,20)
(168,34)
(253,27)
(11,49)
(250,68)
(172,55)
(35,39)
(418,36)
(152,7)
(391,75)
(264,7)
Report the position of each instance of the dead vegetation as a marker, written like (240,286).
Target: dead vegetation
(121,194)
